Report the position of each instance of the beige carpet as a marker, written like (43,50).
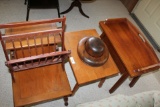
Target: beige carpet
(15,10)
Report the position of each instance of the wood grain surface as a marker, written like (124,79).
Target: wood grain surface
(130,46)
(83,72)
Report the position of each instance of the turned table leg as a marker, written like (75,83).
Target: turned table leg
(65,101)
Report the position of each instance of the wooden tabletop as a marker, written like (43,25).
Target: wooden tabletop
(130,45)
(83,72)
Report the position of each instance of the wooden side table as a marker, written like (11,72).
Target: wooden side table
(84,73)
(130,50)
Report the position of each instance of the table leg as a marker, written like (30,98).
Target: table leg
(65,101)
(119,82)
(25,2)
(102,35)
(134,80)
(78,4)
(81,11)
(76,87)
(101,82)
(12,74)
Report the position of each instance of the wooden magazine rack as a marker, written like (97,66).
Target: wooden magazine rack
(36,62)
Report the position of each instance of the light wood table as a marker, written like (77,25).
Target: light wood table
(130,50)
(84,73)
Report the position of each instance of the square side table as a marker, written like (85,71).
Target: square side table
(84,73)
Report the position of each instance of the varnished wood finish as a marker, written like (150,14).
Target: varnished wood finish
(40,84)
(134,80)
(29,23)
(30,26)
(130,50)
(25,41)
(84,73)
(89,53)
(34,38)
(37,67)
(101,82)
(119,82)
(37,60)
(66,101)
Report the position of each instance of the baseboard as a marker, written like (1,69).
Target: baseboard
(147,34)
(157,75)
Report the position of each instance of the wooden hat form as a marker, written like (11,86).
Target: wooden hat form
(93,51)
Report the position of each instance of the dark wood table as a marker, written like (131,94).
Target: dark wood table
(130,50)
(84,73)
(78,4)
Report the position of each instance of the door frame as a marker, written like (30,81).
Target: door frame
(145,31)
